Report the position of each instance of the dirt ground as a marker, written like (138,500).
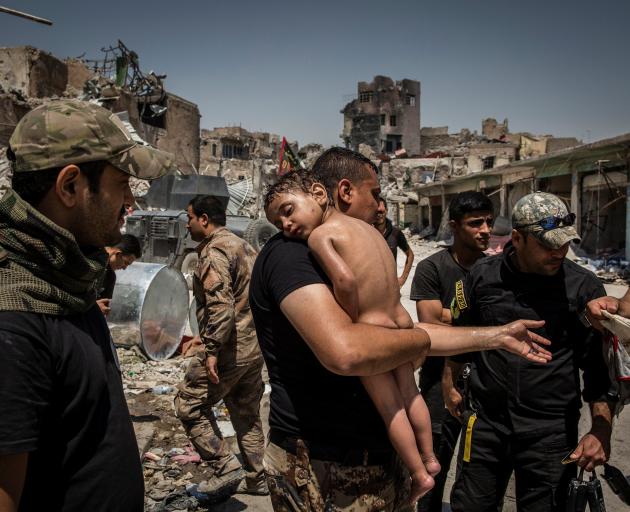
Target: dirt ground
(161,436)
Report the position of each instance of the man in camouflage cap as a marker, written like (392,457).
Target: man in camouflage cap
(546,218)
(66,440)
(524,416)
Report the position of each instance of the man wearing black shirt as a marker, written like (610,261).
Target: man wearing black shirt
(66,439)
(433,289)
(395,239)
(119,257)
(328,446)
(524,416)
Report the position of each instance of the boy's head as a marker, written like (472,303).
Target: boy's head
(296,204)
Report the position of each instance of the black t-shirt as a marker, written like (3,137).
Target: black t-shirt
(394,238)
(512,393)
(62,401)
(436,278)
(307,400)
(109,282)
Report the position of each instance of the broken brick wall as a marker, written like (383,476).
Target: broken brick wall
(31,72)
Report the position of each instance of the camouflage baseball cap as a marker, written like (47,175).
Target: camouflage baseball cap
(65,132)
(532,212)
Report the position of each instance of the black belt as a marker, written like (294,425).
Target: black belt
(343,456)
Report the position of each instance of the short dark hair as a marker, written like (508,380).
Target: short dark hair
(336,164)
(468,202)
(292,181)
(32,186)
(210,206)
(129,244)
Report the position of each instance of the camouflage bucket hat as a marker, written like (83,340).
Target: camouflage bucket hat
(68,132)
(546,217)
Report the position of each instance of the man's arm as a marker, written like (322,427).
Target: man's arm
(12,475)
(594,448)
(348,348)
(432,312)
(514,337)
(408,265)
(611,304)
(219,321)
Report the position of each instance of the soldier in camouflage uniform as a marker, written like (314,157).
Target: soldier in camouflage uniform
(229,365)
(524,416)
(66,440)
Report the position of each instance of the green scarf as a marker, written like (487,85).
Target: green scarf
(42,268)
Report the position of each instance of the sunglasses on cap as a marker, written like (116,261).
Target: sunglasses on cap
(477,223)
(551,222)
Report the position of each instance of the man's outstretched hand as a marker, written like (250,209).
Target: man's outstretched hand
(517,338)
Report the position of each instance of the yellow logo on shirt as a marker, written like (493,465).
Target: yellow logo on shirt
(459,302)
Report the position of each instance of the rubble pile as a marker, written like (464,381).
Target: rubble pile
(173,471)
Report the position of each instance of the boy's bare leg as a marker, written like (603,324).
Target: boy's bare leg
(418,414)
(385,395)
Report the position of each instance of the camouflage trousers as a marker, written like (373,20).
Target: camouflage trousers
(300,484)
(241,388)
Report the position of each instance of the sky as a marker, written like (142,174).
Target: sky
(556,67)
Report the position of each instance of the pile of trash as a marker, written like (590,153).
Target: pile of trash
(174,473)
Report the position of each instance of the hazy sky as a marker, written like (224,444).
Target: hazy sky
(550,66)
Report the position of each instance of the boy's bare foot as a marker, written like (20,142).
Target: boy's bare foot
(432,464)
(421,483)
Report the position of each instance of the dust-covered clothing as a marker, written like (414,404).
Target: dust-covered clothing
(395,238)
(331,415)
(241,388)
(62,401)
(300,483)
(226,328)
(221,289)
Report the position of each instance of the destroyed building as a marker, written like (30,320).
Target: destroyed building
(231,151)
(30,77)
(385,115)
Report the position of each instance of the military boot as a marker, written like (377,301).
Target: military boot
(223,483)
(255,487)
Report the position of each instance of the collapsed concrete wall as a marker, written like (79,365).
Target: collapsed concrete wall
(29,76)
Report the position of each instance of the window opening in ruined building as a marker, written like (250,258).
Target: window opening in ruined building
(389,146)
(488,162)
(392,120)
(399,144)
(366,96)
(411,100)
(214,150)
(383,119)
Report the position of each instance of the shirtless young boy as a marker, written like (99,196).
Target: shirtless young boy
(356,258)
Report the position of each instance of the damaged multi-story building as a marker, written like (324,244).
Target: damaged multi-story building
(385,115)
(233,151)
(30,77)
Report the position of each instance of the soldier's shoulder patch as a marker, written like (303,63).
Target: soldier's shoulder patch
(459,304)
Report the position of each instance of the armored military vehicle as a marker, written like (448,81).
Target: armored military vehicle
(162,229)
